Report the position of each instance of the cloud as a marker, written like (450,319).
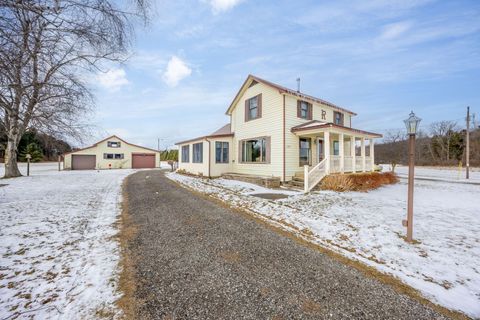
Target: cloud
(219,6)
(394,30)
(177,70)
(113,79)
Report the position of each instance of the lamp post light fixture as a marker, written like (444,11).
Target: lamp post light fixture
(412,125)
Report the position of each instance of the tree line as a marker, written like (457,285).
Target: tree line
(442,144)
(41,146)
(169,155)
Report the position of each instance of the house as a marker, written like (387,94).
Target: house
(112,153)
(282,133)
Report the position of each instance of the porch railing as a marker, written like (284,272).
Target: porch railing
(347,164)
(313,176)
(334,164)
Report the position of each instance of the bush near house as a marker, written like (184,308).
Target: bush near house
(357,181)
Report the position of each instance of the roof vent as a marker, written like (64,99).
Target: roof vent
(298,84)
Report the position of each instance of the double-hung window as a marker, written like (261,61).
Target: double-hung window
(338,118)
(186,153)
(198,152)
(254,150)
(253,108)
(304,110)
(221,152)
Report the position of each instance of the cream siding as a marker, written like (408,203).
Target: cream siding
(269,125)
(292,147)
(102,147)
(217,169)
(190,166)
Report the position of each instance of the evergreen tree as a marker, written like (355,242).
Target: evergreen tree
(34,151)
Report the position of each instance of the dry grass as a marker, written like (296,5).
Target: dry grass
(128,230)
(357,181)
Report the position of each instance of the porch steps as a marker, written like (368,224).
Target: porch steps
(297,182)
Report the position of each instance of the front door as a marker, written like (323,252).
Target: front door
(320,151)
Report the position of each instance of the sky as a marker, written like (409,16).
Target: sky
(378,58)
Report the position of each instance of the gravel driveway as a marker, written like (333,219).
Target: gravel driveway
(195,259)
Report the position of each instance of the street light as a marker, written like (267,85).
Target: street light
(412,125)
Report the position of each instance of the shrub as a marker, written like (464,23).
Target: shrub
(357,181)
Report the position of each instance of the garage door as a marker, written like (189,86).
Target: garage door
(83,162)
(143,160)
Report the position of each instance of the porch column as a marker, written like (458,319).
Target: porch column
(363,154)
(372,155)
(352,153)
(341,150)
(326,141)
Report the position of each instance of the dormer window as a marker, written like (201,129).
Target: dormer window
(304,110)
(113,144)
(253,108)
(338,118)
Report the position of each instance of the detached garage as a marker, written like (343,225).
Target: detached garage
(83,161)
(112,153)
(143,160)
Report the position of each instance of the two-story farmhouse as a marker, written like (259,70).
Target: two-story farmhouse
(278,132)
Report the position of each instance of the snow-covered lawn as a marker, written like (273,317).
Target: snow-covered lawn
(439,173)
(444,265)
(58,255)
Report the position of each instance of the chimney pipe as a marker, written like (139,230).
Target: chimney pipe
(298,84)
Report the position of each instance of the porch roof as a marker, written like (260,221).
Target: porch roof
(321,126)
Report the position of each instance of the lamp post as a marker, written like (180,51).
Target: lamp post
(411,124)
(28,157)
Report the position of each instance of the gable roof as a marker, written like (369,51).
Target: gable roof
(316,124)
(225,131)
(112,136)
(284,90)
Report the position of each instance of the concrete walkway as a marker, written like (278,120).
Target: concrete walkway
(195,259)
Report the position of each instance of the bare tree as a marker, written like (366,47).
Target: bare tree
(48,48)
(395,152)
(443,133)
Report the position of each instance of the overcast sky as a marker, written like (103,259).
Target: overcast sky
(378,58)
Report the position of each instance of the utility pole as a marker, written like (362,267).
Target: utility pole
(467,161)
(158,144)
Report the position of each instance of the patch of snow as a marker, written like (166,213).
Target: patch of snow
(443,266)
(453,174)
(58,255)
(249,188)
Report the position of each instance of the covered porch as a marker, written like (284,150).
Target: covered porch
(326,148)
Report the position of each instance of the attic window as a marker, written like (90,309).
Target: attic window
(113,144)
